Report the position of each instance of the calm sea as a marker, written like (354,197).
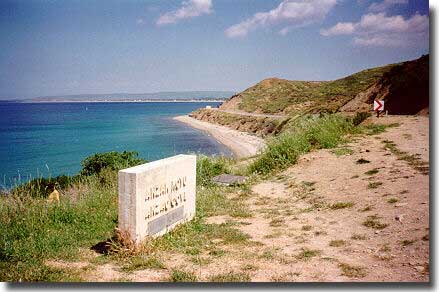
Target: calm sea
(49,139)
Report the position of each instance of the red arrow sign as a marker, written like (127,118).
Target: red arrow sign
(378,105)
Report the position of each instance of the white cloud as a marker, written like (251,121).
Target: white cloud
(382,30)
(189,9)
(140,21)
(338,29)
(386,4)
(290,13)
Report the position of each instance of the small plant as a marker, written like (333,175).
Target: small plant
(358,236)
(373,222)
(360,117)
(306,227)
(372,171)
(374,185)
(342,151)
(182,276)
(230,277)
(341,205)
(407,242)
(392,200)
(362,161)
(352,271)
(141,263)
(306,254)
(277,222)
(337,243)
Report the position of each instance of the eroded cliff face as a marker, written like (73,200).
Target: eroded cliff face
(260,126)
(404,89)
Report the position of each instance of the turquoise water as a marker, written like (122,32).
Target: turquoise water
(49,139)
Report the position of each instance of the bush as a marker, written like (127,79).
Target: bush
(110,160)
(309,133)
(208,167)
(42,187)
(360,117)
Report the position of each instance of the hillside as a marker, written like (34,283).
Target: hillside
(405,90)
(406,81)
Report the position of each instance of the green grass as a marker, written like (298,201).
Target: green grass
(372,171)
(182,276)
(356,236)
(337,243)
(230,277)
(373,222)
(392,200)
(33,230)
(141,263)
(342,151)
(414,161)
(341,205)
(352,271)
(374,185)
(307,254)
(308,133)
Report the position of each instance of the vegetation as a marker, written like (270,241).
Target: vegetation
(278,95)
(326,131)
(373,222)
(110,160)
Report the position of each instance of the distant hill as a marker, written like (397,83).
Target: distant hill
(163,96)
(400,85)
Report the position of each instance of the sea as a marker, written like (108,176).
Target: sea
(50,139)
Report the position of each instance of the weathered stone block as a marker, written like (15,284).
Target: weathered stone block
(156,196)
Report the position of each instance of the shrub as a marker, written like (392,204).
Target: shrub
(113,160)
(208,167)
(309,133)
(42,187)
(360,117)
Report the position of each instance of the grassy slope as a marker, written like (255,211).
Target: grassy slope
(279,95)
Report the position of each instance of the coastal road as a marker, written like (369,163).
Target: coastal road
(243,113)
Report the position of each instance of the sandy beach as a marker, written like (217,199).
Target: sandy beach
(242,144)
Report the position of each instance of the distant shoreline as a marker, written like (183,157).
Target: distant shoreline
(119,101)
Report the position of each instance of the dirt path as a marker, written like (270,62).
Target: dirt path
(356,213)
(243,113)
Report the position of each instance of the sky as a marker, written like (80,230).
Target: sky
(88,47)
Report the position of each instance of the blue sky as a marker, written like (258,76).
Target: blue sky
(76,47)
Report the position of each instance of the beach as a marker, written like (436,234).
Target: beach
(243,145)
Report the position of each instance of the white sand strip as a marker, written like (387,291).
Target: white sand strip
(242,144)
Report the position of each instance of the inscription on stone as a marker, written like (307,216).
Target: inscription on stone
(155,197)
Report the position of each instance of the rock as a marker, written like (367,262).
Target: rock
(420,269)
(377,232)
(228,179)
(399,217)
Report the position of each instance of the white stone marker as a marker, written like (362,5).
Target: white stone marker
(156,196)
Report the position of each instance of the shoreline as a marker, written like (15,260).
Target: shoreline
(120,101)
(242,145)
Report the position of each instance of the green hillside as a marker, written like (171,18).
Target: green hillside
(284,96)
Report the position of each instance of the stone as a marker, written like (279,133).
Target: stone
(228,179)
(155,197)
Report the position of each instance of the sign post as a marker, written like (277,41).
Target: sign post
(378,106)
